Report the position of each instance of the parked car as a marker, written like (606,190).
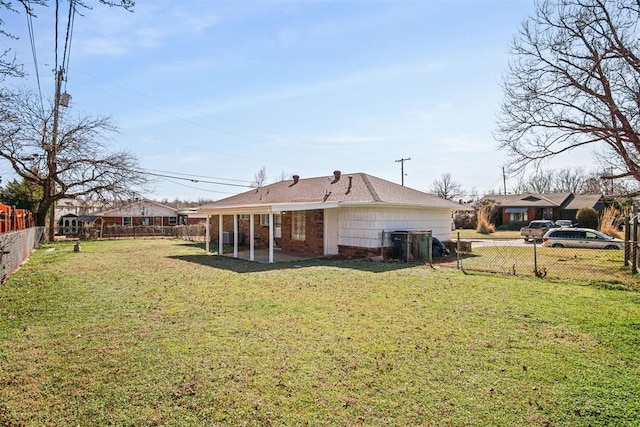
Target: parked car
(536,229)
(580,238)
(565,223)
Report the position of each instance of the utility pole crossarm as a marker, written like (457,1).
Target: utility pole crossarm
(401,161)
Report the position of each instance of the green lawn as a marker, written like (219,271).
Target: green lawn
(143,333)
(473,234)
(556,263)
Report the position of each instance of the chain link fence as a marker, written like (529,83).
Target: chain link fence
(15,248)
(194,233)
(518,258)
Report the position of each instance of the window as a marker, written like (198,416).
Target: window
(264,220)
(244,216)
(173,220)
(298,225)
(517,214)
(518,217)
(126,221)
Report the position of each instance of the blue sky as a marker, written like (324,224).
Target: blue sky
(216,90)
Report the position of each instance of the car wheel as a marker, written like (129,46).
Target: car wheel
(557,245)
(611,247)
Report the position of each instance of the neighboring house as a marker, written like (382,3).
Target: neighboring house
(519,209)
(142,213)
(347,215)
(73,214)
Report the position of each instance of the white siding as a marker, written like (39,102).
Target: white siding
(362,227)
(331,231)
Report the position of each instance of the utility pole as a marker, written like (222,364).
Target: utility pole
(504,181)
(51,159)
(401,161)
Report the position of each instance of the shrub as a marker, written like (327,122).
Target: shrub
(466,220)
(587,217)
(484,226)
(609,221)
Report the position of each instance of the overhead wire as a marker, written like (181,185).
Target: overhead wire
(195,180)
(55,38)
(197,188)
(67,41)
(32,41)
(197,176)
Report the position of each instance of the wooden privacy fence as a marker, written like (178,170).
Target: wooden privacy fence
(12,219)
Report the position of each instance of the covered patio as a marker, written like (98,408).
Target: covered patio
(262,256)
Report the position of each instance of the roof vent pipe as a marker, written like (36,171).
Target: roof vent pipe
(336,176)
(296,178)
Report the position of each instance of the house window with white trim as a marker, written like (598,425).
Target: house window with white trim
(173,220)
(264,220)
(126,221)
(518,217)
(298,219)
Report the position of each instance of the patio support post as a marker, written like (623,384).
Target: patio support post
(235,235)
(271,238)
(220,236)
(207,234)
(251,235)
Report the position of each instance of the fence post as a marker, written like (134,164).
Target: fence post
(458,252)
(535,258)
(634,246)
(627,238)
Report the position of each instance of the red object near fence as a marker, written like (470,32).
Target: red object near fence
(14,219)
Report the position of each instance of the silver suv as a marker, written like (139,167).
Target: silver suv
(580,238)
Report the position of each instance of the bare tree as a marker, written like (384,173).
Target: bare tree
(283,176)
(569,180)
(446,188)
(260,178)
(574,82)
(79,163)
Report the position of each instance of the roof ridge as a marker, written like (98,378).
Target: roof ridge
(369,186)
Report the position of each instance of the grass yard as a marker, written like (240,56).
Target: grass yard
(473,234)
(556,263)
(154,332)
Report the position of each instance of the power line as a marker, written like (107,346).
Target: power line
(196,180)
(67,43)
(197,188)
(27,7)
(197,176)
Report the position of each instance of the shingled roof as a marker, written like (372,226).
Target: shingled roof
(326,192)
(551,200)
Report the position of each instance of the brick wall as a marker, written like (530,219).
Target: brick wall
(260,232)
(360,253)
(314,234)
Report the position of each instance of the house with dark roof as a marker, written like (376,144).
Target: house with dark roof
(519,209)
(141,213)
(349,215)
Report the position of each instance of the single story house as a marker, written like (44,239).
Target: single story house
(142,213)
(349,215)
(519,209)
